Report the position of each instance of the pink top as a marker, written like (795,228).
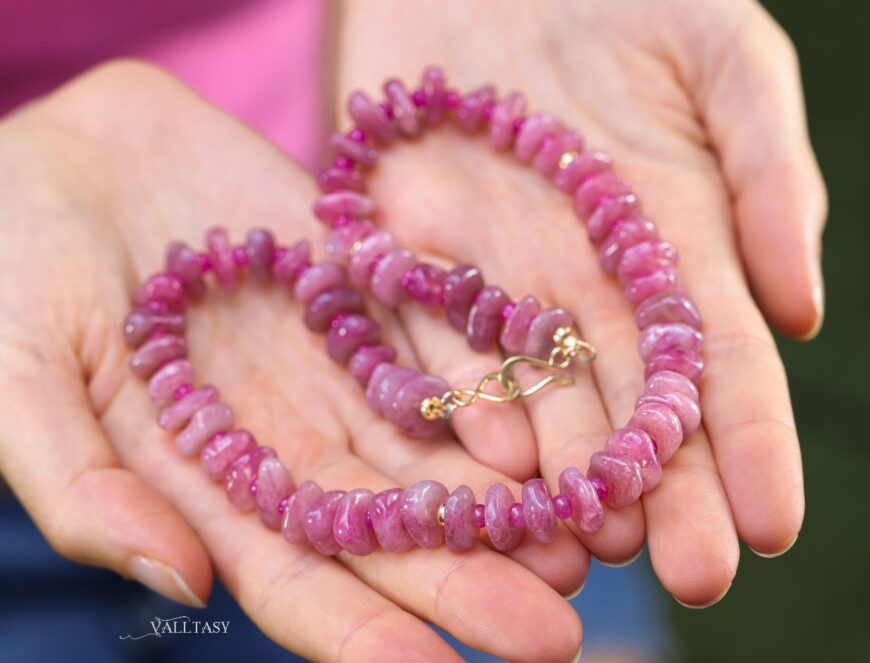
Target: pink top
(260,60)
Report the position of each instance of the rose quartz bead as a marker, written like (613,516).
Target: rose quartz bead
(288,266)
(365,359)
(348,332)
(586,508)
(460,533)
(484,319)
(370,118)
(183,261)
(636,443)
(536,127)
(542,330)
(164,288)
(175,416)
(419,509)
(497,506)
(504,118)
(295,510)
(620,474)
(163,384)
(203,425)
(386,282)
(221,451)
(242,474)
(665,382)
(685,407)
(385,383)
(686,362)
(335,179)
(260,248)
(156,352)
(344,241)
(425,283)
(609,212)
(220,255)
(625,233)
(386,515)
(538,511)
(461,286)
(319,520)
(140,323)
(470,114)
(435,91)
(546,159)
(598,188)
(656,339)
(404,110)
(274,484)
(662,424)
(349,527)
(343,203)
(327,305)
(667,307)
(515,332)
(358,152)
(319,278)
(404,410)
(664,279)
(370,251)
(645,258)
(580,169)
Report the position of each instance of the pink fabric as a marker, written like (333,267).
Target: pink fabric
(260,60)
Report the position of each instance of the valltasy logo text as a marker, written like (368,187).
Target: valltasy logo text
(182,625)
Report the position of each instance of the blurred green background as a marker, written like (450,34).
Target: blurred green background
(812,604)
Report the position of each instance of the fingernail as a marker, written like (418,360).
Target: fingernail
(576,592)
(704,605)
(778,553)
(577,656)
(617,565)
(819,305)
(163,579)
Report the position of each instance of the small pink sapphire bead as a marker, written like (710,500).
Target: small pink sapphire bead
(206,422)
(620,474)
(542,330)
(384,384)
(460,532)
(663,337)
(504,117)
(484,319)
(538,511)
(536,127)
(404,411)
(183,261)
(165,382)
(345,238)
(501,534)
(662,424)
(435,92)
(177,414)
(644,258)
(386,516)
(667,307)
(461,286)
(580,169)
(343,203)
(358,152)
(242,474)
(419,508)
(665,382)
(321,312)
(471,113)
(291,262)
(367,255)
(274,484)
(663,279)
(624,233)
(348,332)
(220,255)
(319,522)
(157,351)
(141,323)
(223,450)
(425,283)
(260,249)
(586,508)
(350,528)
(319,278)
(685,407)
(296,509)
(597,188)
(366,358)
(637,444)
(165,288)
(515,331)
(609,213)
(687,362)
(404,110)
(370,118)
(388,275)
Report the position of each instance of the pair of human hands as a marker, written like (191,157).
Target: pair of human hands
(700,105)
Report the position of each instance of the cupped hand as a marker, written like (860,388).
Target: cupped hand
(700,105)
(97,179)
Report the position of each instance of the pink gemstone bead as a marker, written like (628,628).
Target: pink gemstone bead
(586,508)
(175,416)
(327,305)
(461,286)
(620,474)
(221,451)
(274,484)
(515,331)
(366,358)
(183,261)
(384,384)
(164,383)
(220,255)
(319,278)
(504,117)
(685,407)
(349,527)
(288,266)
(515,515)
(598,188)
(645,258)
(497,506)
(484,319)
(386,514)
(664,279)
(686,362)
(625,233)
(460,532)
(546,160)
(583,167)
(242,474)
(335,179)
(478,516)
(344,241)
(354,150)
(260,247)
(538,511)
(662,424)
(542,330)
(404,110)
(343,203)
(667,307)
(404,411)
(156,352)
(435,91)
(562,507)
(470,113)
(141,323)
(370,118)
(165,288)
(656,339)
(636,443)
(609,212)
(665,382)
(205,423)
(370,250)
(386,282)
(536,127)
(348,332)
(295,510)
(419,509)
(425,283)
(319,521)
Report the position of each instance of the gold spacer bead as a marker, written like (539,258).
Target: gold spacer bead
(566,159)
(433,409)
(441,512)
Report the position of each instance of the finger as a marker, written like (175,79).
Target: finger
(751,100)
(89,508)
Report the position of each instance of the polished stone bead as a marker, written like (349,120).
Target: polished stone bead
(327,305)
(163,384)
(334,179)
(553,148)
(624,233)
(370,118)
(157,351)
(356,151)
(222,450)
(665,382)
(562,507)
(580,169)
(538,511)
(535,129)
(369,252)
(260,247)
(205,423)
(404,411)
(542,330)
(505,114)
(685,407)
(586,508)
(460,532)
(425,283)
(609,212)
(274,484)
(664,279)
(177,414)
(497,504)
(348,332)
(366,358)
(663,337)
(183,261)
(241,476)
(386,515)
(667,307)
(620,474)
(484,318)
(404,111)
(470,115)
(319,278)
(515,331)
(343,241)
(141,323)
(385,382)
(461,286)
(662,424)
(295,510)
(343,203)
(419,508)
(220,255)
(319,521)
(386,283)
(350,528)
(165,289)
(435,91)
(636,443)
(687,362)
(645,258)
(291,263)
(593,191)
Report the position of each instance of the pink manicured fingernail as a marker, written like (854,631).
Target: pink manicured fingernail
(162,579)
